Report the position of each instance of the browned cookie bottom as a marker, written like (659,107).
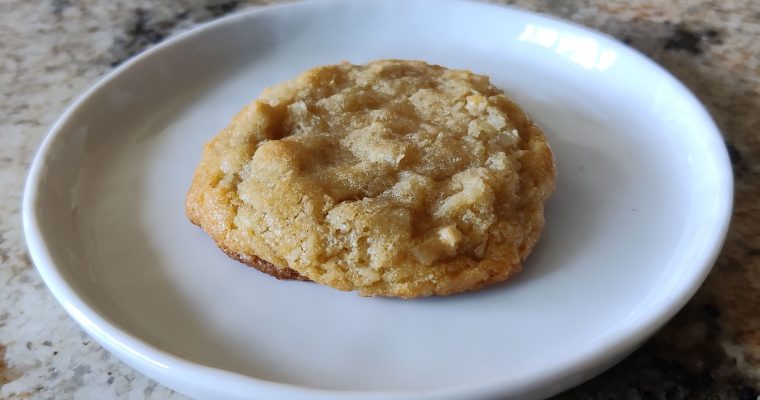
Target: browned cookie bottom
(263,265)
(268,268)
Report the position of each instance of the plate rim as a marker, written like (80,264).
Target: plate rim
(163,366)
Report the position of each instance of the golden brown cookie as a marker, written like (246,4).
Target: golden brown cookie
(393,178)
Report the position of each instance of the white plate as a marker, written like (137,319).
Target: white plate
(641,209)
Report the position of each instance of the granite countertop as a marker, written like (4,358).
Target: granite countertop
(52,50)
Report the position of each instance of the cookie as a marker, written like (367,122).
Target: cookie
(392,178)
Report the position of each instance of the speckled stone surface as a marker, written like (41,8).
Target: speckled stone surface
(52,50)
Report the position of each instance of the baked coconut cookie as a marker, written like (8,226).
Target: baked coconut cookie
(392,178)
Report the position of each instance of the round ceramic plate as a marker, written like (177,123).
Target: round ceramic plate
(640,211)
